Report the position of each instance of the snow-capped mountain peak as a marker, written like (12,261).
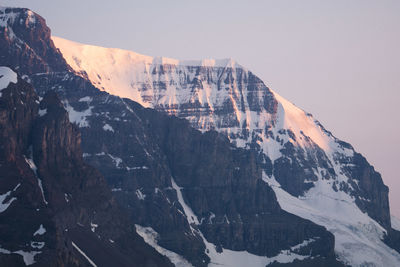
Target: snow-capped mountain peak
(170,84)
(314,174)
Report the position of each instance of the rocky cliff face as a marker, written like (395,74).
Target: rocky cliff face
(24,38)
(163,166)
(54,201)
(197,194)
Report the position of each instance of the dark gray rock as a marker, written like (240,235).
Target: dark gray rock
(74,194)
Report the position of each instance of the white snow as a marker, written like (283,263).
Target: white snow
(42,112)
(107,127)
(210,219)
(4,251)
(38,245)
(123,72)
(243,258)
(84,255)
(33,167)
(31,164)
(128,74)
(395,223)
(140,195)
(117,161)
(303,244)
(137,168)
(40,231)
(41,190)
(7,76)
(28,257)
(357,236)
(116,189)
(295,119)
(191,217)
(4,206)
(233,258)
(7,19)
(86,99)
(150,237)
(93,226)
(78,117)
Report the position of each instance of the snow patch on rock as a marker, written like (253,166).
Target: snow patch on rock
(38,245)
(7,76)
(86,99)
(40,231)
(395,223)
(93,226)
(140,195)
(28,257)
(42,112)
(358,238)
(5,205)
(107,127)
(150,237)
(78,117)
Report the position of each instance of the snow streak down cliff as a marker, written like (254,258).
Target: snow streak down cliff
(314,175)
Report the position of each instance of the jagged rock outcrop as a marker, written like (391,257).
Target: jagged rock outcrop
(24,38)
(392,239)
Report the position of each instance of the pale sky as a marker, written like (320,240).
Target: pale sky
(338,59)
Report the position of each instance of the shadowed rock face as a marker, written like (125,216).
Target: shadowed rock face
(139,151)
(26,38)
(392,239)
(373,193)
(51,188)
(223,186)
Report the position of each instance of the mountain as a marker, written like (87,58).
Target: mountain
(55,205)
(314,174)
(259,182)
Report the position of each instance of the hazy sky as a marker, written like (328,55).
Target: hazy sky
(338,59)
